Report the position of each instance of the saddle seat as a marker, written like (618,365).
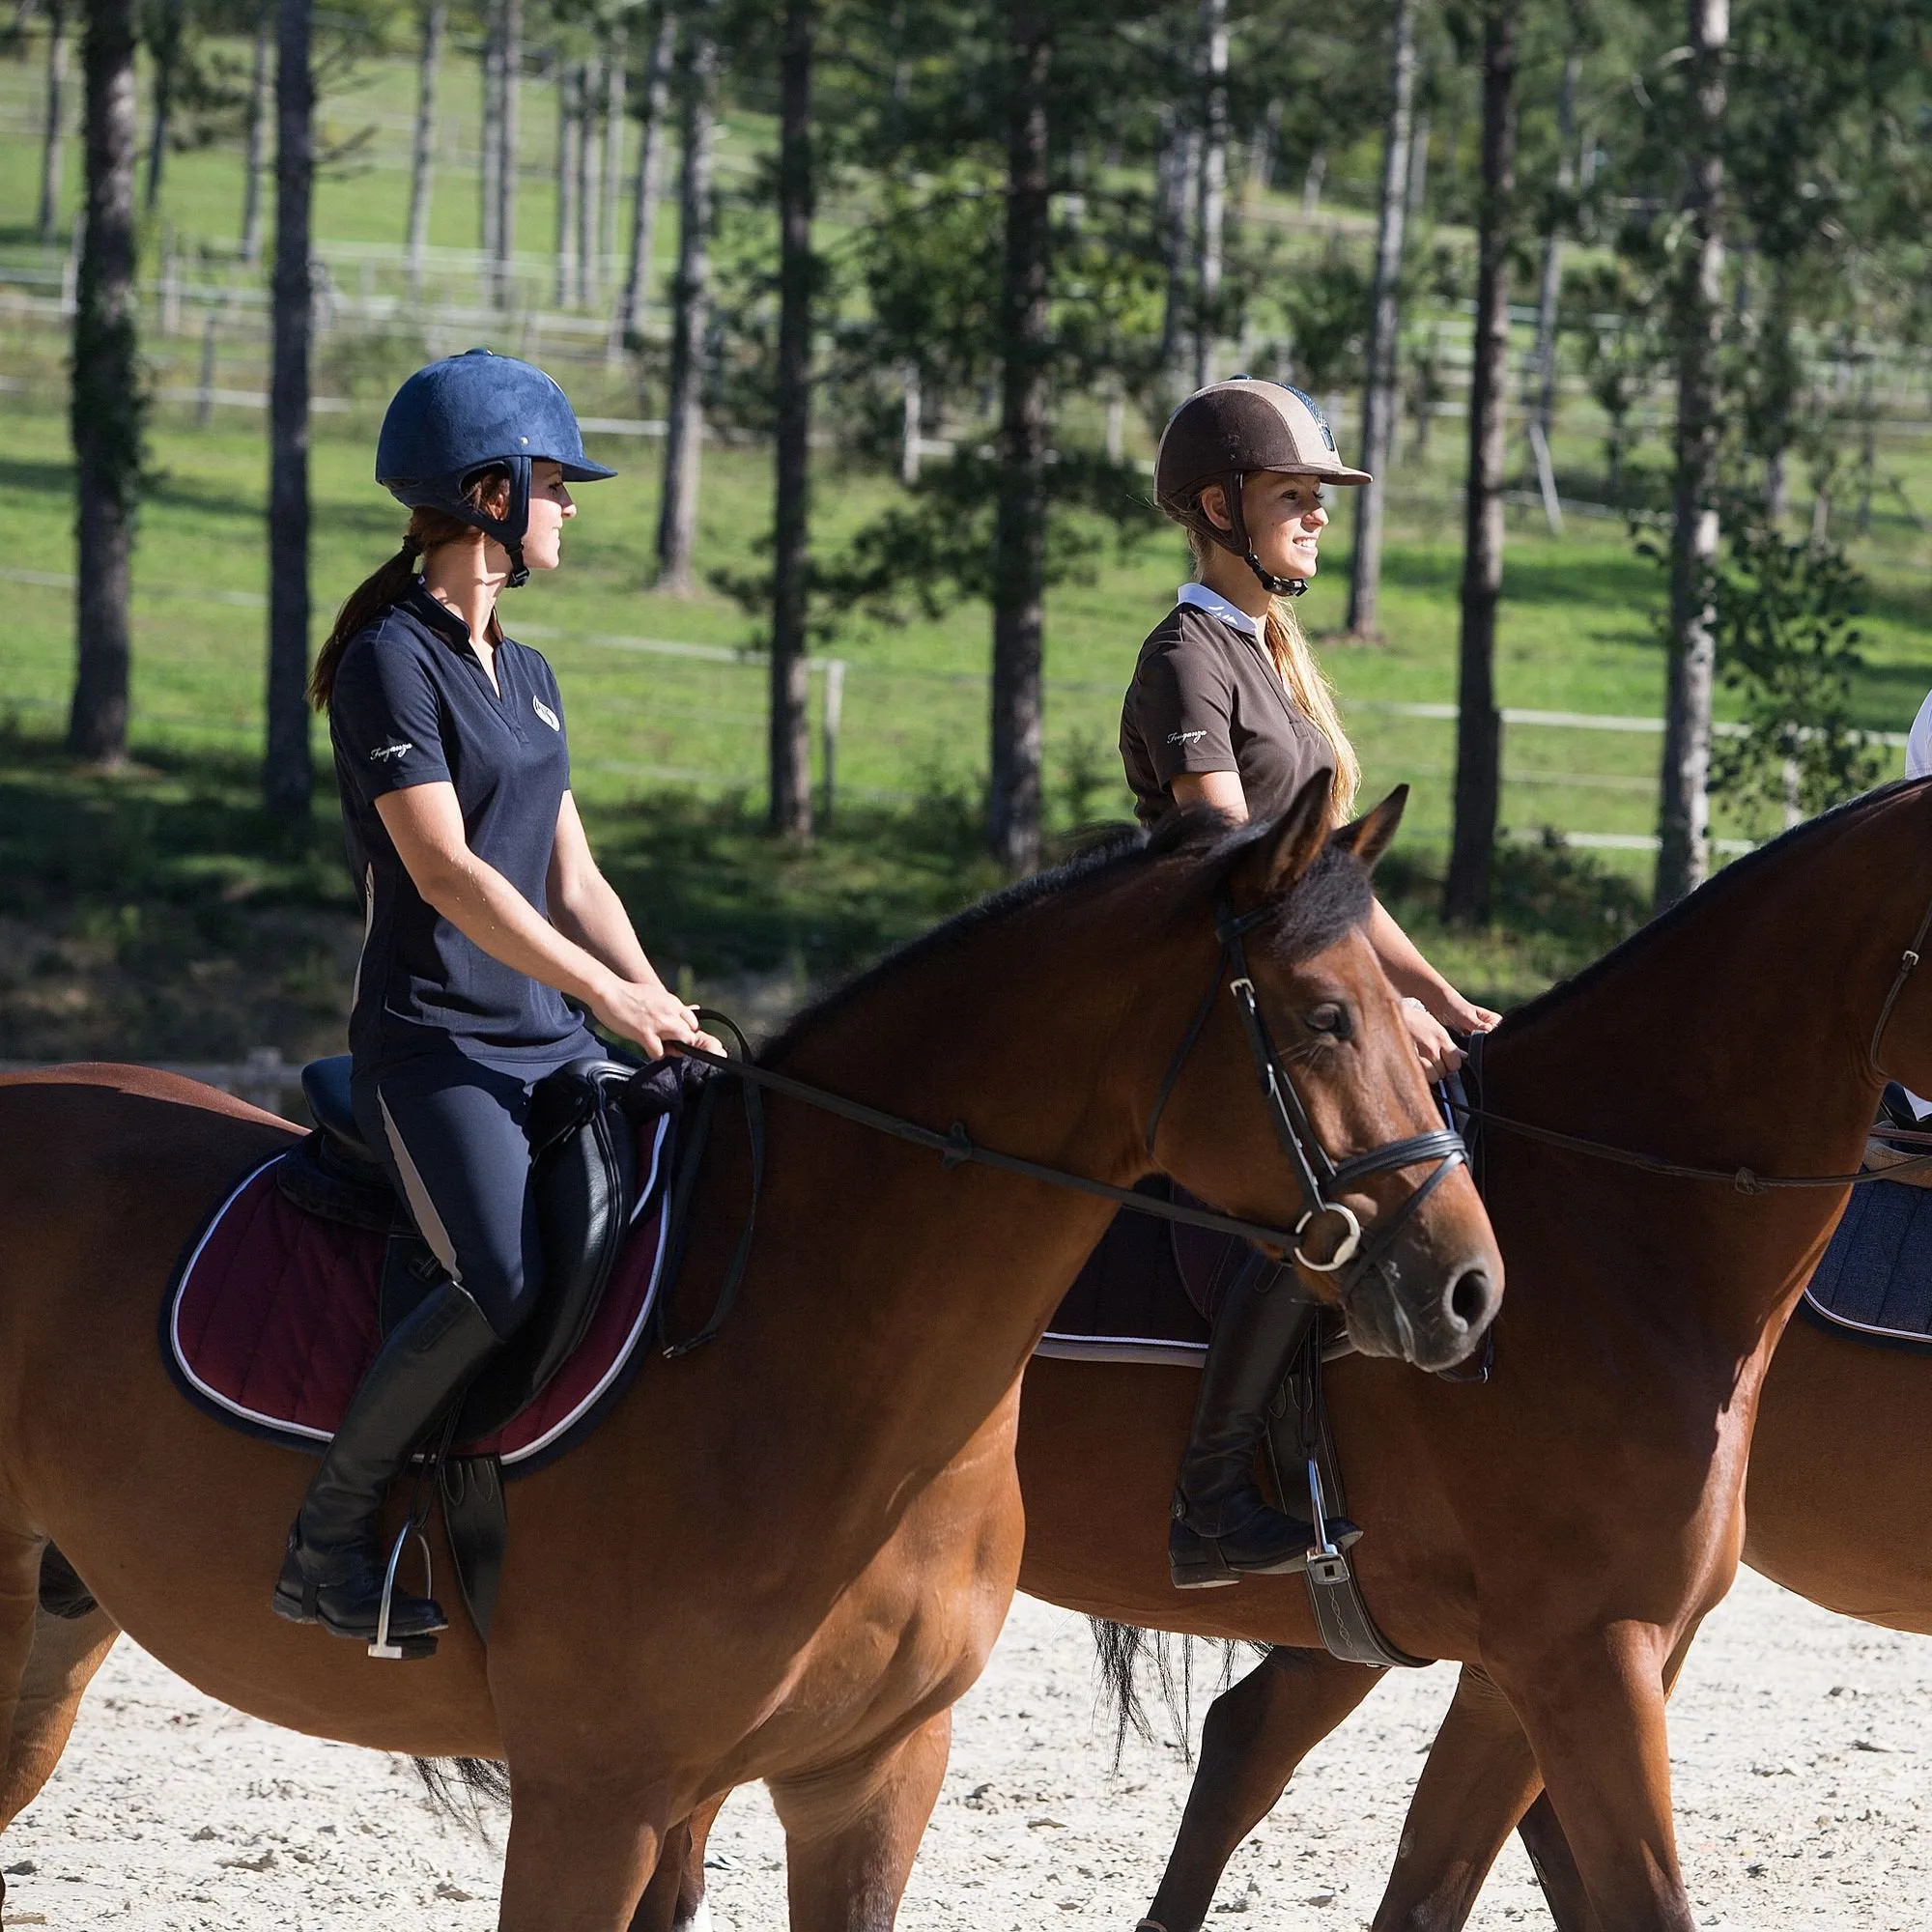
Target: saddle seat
(325,1085)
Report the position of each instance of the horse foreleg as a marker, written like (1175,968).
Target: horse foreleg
(674,1899)
(850,1836)
(1594,1714)
(580,1854)
(1479,1777)
(1254,1737)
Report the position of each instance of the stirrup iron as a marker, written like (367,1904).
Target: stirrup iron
(380,1645)
(1326,1563)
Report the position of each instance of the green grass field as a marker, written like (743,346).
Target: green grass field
(667,748)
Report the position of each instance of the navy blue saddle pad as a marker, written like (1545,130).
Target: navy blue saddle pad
(1874,1283)
(1149,1292)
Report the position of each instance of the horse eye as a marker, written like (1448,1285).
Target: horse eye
(1329,1018)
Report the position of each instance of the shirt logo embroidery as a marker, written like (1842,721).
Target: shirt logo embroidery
(1184,737)
(548,716)
(383,752)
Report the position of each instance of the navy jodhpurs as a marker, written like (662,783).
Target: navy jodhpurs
(450,1132)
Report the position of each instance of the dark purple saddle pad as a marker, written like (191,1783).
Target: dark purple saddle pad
(1149,1292)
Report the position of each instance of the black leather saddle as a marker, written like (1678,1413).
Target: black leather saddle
(583,1174)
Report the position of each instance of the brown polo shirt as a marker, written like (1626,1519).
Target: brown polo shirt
(1206,698)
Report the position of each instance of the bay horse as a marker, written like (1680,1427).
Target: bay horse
(1564,1528)
(785,1555)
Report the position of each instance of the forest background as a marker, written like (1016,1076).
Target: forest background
(877,306)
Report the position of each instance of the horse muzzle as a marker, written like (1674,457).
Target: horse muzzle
(1413,1307)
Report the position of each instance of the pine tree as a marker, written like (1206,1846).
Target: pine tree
(287,781)
(1478,722)
(105,407)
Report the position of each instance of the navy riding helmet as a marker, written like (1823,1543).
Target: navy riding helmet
(476,412)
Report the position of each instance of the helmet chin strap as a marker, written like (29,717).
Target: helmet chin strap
(1243,545)
(508,530)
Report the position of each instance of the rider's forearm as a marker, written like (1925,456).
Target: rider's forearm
(591,913)
(485,907)
(1408,972)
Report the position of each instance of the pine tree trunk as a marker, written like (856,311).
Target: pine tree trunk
(1684,808)
(286,777)
(1213,184)
(1261,154)
(1550,282)
(790,746)
(648,188)
(1175,193)
(615,90)
(1479,722)
(563,291)
(46,221)
(105,404)
(256,163)
(1378,392)
(690,313)
(422,155)
(1418,169)
(1019,598)
(164,45)
(507,141)
(589,156)
(490,176)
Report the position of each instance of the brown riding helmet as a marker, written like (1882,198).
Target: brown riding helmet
(1225,432)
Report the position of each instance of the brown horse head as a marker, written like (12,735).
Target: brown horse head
(1299,891)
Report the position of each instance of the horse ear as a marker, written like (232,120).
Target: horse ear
(1292,844)
(1366,838)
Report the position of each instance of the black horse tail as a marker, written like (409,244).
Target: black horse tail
(1129,1657)
(481,1780)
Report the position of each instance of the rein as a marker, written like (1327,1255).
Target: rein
(1746,1179)
(1317,1174)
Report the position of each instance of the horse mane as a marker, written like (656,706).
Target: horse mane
(1330,898)
(1734,878)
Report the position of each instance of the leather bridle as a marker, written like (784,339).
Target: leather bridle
(1320,1178)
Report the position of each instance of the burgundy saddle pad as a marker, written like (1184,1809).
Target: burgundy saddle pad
(271,1320)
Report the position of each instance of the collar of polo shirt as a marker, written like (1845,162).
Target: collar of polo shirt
(1217,606)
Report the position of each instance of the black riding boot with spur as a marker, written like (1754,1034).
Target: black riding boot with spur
(1223,1527)
(336,1561)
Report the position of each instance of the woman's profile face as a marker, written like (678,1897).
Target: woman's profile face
(550,504)
(1285,518)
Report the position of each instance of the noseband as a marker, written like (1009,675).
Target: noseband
(1320,1178)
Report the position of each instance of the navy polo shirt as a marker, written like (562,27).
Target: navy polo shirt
(412,704)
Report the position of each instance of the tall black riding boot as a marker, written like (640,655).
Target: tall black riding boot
(1223,1527)
(335,1564)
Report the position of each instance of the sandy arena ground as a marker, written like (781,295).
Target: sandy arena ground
(1802,1744)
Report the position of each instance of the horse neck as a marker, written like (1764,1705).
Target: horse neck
(1735,1038)
(1038,1034)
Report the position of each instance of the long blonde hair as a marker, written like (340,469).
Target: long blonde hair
(1307,684)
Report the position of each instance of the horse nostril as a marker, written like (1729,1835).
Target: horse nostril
(1469,1299)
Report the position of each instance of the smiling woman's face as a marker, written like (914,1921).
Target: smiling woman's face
(1285,519)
